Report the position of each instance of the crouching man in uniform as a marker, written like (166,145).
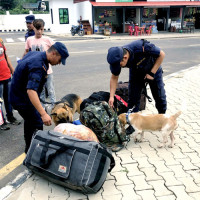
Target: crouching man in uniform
(27,83)
(144,61)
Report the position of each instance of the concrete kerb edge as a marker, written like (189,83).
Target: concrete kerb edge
(16,183)
(173,75)
(22,177)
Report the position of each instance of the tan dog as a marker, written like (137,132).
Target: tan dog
(64,110)
(151,122)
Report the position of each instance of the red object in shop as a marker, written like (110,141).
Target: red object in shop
(141,30)
(148,32)
(137,30)
(130,30)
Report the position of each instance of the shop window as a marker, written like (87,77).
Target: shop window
(63,16)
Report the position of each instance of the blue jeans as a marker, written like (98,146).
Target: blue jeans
(49,85)
(4,94)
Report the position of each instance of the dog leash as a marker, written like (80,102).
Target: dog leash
(128,113)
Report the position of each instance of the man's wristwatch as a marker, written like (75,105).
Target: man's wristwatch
(151,74)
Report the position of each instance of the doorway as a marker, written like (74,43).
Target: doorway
(161,19)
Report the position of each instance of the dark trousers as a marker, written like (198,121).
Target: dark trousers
(4,94)
(136,83)
(32,122)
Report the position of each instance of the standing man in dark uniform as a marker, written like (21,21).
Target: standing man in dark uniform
(27,84)
(144,61)
(30,27)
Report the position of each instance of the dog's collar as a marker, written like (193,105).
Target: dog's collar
(127,120)
(128,113)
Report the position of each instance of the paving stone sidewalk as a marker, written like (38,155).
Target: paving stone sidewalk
(143,171)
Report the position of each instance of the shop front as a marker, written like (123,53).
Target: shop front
(117,16)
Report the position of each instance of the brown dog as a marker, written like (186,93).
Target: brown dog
(64,110)
(151,122)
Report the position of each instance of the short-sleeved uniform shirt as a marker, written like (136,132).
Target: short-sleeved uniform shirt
(5,73)
(29,33)
(30,73)
(39,44)
(139,58)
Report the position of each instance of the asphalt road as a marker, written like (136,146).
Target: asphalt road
(86,71)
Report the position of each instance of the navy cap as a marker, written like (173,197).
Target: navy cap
(30,18)
(114,57)
(62,50)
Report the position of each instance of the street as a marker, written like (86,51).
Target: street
(87,71)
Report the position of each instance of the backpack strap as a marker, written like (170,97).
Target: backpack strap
(1,41)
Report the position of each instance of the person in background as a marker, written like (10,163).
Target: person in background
(38,42)
(27,84)
(6,70)
(29,24)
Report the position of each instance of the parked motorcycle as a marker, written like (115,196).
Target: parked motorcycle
(77,30)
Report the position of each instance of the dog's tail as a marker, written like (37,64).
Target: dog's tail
(176,115)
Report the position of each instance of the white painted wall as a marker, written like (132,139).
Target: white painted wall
(84,9)
(76,10)
(56,27)
(17,22)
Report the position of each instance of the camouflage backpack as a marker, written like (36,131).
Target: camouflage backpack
(104,122)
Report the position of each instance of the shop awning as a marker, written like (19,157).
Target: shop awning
(146,4)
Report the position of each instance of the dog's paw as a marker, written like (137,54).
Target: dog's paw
(160,146)
(139,140)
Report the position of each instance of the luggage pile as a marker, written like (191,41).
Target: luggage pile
(80,156)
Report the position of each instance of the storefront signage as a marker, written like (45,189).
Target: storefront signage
(123,0)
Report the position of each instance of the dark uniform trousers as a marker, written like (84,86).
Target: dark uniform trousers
(136,83)
(32,122)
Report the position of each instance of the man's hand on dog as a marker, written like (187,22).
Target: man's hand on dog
(46,119)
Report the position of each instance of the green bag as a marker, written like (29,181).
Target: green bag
(104,122)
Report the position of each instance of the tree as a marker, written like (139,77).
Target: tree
(8,4)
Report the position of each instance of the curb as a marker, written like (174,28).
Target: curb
(16,183)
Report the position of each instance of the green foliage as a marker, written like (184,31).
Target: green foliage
(2,12)
(8,4)
(16,11)
(40,12)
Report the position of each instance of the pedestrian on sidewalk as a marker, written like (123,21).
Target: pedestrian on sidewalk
(6,70)
(38,42)
(144,61)
(27,84)
(29,25)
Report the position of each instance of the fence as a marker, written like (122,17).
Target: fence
(15,23)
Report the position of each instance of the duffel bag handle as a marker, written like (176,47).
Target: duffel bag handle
(104,151)
(46,162)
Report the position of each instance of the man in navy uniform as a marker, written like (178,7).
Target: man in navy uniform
(29,24)
(27,83)
(144,61)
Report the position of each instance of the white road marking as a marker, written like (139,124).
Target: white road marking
(9,40)
(83,52)
(194,45)
(21,39)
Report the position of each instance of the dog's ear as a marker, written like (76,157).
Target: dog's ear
(65,106)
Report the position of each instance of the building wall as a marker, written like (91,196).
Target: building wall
(75,10)
(56,27)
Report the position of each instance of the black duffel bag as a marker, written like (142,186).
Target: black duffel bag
(70,162)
